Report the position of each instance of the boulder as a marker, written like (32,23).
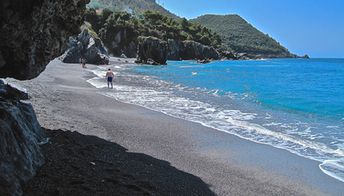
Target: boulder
(152,50)
(33,32)
(306,56)
(86,45)
(20,135)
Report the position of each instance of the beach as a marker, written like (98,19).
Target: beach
(227,164)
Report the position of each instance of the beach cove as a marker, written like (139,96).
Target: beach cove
(228,164)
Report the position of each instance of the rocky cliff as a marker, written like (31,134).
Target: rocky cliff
(155,51)
(195,50)
(152,51)
(188,50)
(120,40)
(20,134)
(33,32)
(86,45)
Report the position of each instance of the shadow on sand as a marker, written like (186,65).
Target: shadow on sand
(77,164)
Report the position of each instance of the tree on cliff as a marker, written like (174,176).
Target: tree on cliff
(120,32)
(151,23)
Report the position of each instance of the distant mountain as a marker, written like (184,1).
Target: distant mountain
(135,7)
(242,37)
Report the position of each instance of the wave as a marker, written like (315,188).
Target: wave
(333,168)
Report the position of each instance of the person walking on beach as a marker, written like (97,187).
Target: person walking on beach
(83,62)
(109,76)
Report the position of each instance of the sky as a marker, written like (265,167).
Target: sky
(313,27)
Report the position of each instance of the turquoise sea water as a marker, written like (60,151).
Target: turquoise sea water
(292,104)
(313,86)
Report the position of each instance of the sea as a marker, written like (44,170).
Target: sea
(291,104)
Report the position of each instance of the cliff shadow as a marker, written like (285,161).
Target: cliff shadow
(77,164)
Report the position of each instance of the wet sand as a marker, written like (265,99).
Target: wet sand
(227,164)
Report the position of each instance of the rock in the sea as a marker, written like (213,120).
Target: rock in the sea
(152,51)
(306,56)
(20,134)
(33,32)
(86,45)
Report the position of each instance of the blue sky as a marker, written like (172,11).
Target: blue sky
(314,27)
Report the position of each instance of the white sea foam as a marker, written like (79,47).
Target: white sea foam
(233,121)
(98,72)
(193,66)
(332,127)
(333,168)
(97,83)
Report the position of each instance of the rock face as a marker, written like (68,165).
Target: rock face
(195,50)
(175,49)
(87,46)
(188,50)
(155,51)
(33,32)
(20,134)
(228,55)
(152,51)
(120,40)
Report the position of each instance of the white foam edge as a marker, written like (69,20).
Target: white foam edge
(333,164)
(260,130)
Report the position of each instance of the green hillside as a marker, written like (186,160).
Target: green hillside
(242,37)
(125,28)
(135,7)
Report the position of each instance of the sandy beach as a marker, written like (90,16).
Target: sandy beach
(213,161)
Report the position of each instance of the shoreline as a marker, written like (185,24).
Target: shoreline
(174,103)
(226,162)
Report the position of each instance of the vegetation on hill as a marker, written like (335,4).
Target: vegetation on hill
(242,37)
(150,24)
(135,7)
